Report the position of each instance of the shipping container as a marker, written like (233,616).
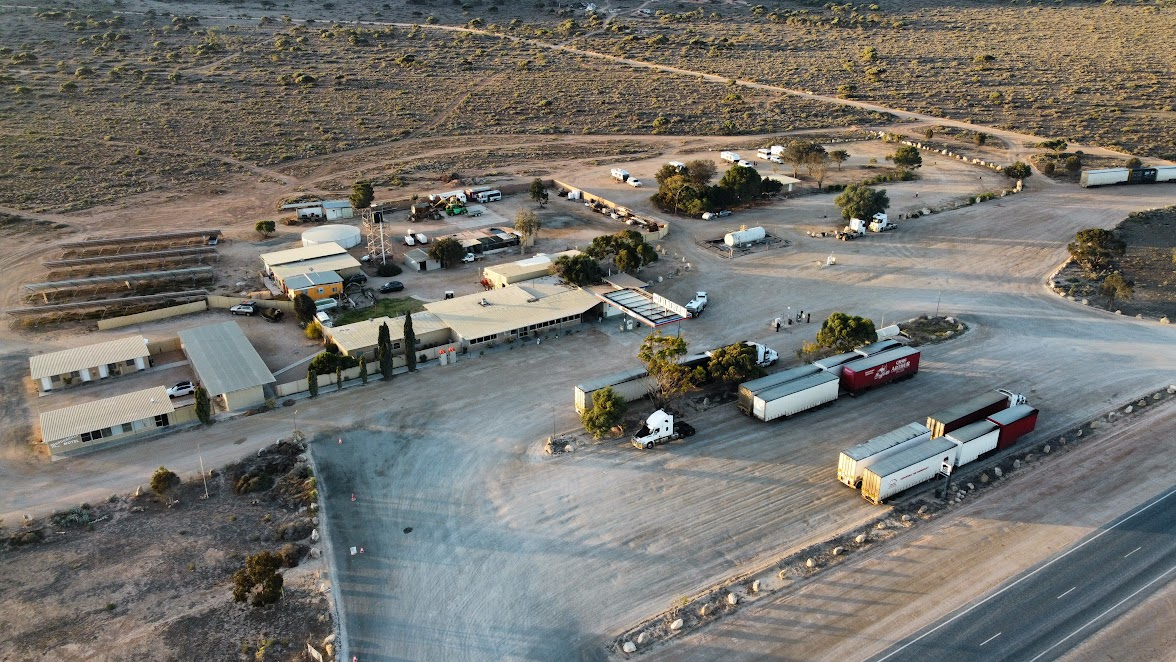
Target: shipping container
(1014,423)
(1103,177)
(969,411)
(834,364)
(877,347)
(747,390)
(795,396)
(854,461)
(917,464)
(629,385)
(973,440)
(879,369)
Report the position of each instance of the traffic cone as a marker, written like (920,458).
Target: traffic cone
(340,440)
(353,496)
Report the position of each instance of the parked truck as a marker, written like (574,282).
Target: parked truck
(969,411)
(795,396)
(748,389)
(855,229)
(881,223)
(696,305)
(1014,423)
(660,428)
(834,364)
(973,440)
(914,465)
(853,462)
(764,356)
(883,368)
(733,157)
(620,174)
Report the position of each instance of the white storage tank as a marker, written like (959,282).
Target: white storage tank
(344,235)
(745,236)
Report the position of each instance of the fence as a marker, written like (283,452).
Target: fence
(216,301)
(152,315)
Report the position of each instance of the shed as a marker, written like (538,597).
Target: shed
(418,260)
(226,364)
(300,254)
(337,209)
(316,285)
(83,427)
(787,181)
(83,364)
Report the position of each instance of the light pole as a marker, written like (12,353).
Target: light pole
(937,300)
(295,422)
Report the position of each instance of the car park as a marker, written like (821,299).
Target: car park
(391,286)
(244,308)
(181,389)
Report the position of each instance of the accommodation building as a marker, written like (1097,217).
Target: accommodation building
(90,362)
(105,422)
(226,364)
(316,285)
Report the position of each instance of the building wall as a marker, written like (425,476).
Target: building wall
(244,399)
(152,315)
(499,280)
(532,332)
(93,374)
(428,340)
(117,435)
(317,292)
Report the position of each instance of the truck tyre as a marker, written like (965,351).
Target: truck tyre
(648,445)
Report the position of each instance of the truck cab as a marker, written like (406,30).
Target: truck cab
(855,229)
(881,223)
(696,305)
(660,428)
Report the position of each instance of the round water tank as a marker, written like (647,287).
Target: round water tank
(344,235)
(747,236)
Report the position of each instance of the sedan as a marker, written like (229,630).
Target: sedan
(181,389)
(392,286)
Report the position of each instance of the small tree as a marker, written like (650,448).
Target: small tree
(203,405)
(701,171)
(1114,287)
(578,270)
(798,152)
(304,308)
(447,251)
(981,138)
(528,226)
(1095,249)
(1133,163)
(362,194)
(1018,170)
(1072,163)
(661,354)
(907,157)
(839,156)
(817,165)
(363,375)
(163,481)
(606,413)
(858,201)
(538,192)
(844,333)
(384,352)
(1058,145)
(929,132)
(265,228)
(743,184)
(312,382)
(410,358)
(734,363)
(260,572)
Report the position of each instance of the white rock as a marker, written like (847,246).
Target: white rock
(971,486)
(1141,403)
(1129,409)
(1172,389)
(1094,425)
(1016,464)
(677,625)
(1157,396)
(838,551)
(569,448)
(314,552)
(983,478)
(138,491)
(861,539)
(1046,449)
(906,518)
(314,535)
(329,639)
(810,563)
(1078,434)
(783,574)
(706,610)
(642,638)
(629,647)
(997,472)
(755,586)
(732,599)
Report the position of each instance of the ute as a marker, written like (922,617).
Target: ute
(660,428)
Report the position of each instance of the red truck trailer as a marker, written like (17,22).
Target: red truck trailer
(879,369)
(972,410)
(1014,423)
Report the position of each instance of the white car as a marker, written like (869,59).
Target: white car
(181,389)
(469,257)
(634,182)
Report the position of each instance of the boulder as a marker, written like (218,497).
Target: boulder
(1078,433)
(971,486)
(677,625)
(138,491)
(1172,389)
(732,599)
(1094,425)
(706,610)
(983,478)
(1016,464)
(906,518)
(755,586)
(838,551)
(997,472)
(629,647)
(569,448)
(810,563)
(1045,449)
(314,535)
(642,638)
(783,574)
(1141,403)
(1157,396)
(861,539)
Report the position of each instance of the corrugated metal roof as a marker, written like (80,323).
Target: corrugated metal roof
(612,380)
(301,253)
(912,455)
(623,281)
(796,386)
(877,347)
(867,362)
(223,358)
(837,360)
(1011,415)
(303,281)
(888,440)
(510,308)
(778,378)
(105,413)
(336,204)
(969,406)
(972,431)
(360,336)
(328,263)
(538,264)
(89,356)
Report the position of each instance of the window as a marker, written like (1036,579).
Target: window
(130,362)
(161,421)
(396,345)
(320,291)
(127,427)
(95,434)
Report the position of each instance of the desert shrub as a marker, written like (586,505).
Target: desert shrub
(259,579)
(295,530)
(254,481)
(73,517)
(164,481)
(388,270)
(292,554)
(27,537)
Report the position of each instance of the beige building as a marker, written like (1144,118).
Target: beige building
(300,254)
(227,365)
(531,268)
(107,422)
(343,265)
(91,362)
(515,311)
(360,338)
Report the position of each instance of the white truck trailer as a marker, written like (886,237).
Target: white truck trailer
(854,461)
(748,389)
(733,157)
(795,396)
(974,440)
(834,364)
(913,466)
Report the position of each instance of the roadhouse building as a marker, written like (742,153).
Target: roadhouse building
(226,364)
(102,423)
(85,364)
(516,311)
(360,338)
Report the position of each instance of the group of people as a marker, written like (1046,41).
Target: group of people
(800,315)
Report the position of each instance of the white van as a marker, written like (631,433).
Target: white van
(421,238)
(409,240)
(324,320)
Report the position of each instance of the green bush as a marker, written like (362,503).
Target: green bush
(388,270)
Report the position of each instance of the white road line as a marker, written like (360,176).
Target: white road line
(1066,593)
(1113,608)
(1132,552)
(1034,572)
(991,638)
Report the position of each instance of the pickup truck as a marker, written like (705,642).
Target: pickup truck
(696,305)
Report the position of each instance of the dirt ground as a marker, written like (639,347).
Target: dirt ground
(132,578)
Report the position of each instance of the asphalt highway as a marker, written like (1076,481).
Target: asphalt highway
(1053,607)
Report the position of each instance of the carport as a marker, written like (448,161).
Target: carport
(650,309)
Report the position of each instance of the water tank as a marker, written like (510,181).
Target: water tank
(747,236)
(344,235)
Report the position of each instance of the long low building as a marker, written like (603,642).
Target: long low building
(360,338)
(516,311)
(226,364)
(84,364)
(343,265)
(300,254)
(538,266)
(81,428)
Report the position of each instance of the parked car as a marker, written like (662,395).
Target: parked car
(244,308)
(634,182)
(391,286)
(357,279)
(421,238)
(273,314)
(469,257)
(324,320)
(181,389)
(724,213)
